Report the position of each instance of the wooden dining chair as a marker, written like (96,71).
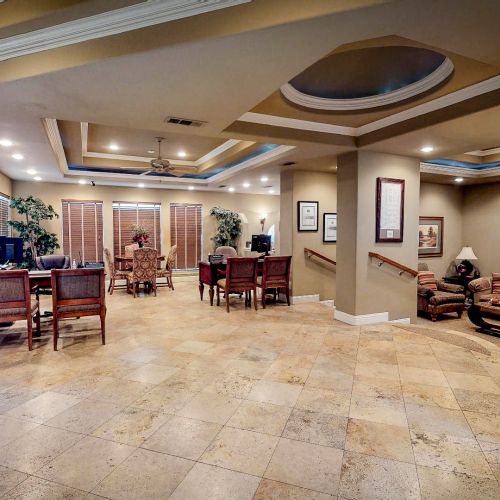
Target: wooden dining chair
(241,276)
(114,274)
(76,293)
(16,302)
(275,275)
(144,268)
(166,272)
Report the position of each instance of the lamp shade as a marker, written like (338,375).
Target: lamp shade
(243,218)
(466,254)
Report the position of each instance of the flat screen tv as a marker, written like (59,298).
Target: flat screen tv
(11,250)
(261,243)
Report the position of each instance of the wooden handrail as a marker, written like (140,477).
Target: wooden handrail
(401,267)
(310,252)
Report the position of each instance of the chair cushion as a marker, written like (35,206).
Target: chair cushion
(163,273)
(270,283)
(495,283)
(221,283)
(427,279)
(19,311)
(78,308)
(236,286)
(446,298)
(488,296)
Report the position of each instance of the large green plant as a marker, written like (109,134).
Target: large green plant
(37,240)
(228,227)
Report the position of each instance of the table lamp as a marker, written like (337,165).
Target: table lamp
(466,267)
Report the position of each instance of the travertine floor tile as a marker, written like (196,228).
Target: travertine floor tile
(364,476)
(324,400)
(193,347)
(280,491)
(210,408)
(183,437)
(316,428)
(472,382)
(260,417)
(121,392)
(232,385)
(35,488)
(83,387)
(422,394)
(276,393)
(151,374)
(207,482)
(86,463)
(375,387)
(482,402)
(381,440)
(306,465)
(410,374)
(240,450)
(15,396)
(9,479)
(144,474)
(378,410)
(492,453)
(485,427)
(378,370)
(437,484)
(13,428)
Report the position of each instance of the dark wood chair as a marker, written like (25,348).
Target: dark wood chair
(16,302)
(275,275)
(76,293)
(241,276)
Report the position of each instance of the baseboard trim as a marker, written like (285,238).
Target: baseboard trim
(302,299)
(329,303)
(361,319)
(403,321)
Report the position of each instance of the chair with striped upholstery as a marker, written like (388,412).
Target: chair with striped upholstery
(484,289)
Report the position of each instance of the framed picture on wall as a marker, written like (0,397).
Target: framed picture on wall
(390,210)
(430,236)
(329,228)
(307,219)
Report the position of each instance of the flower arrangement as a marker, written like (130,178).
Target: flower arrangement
(141,235)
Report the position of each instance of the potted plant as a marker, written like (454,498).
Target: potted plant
(37,240)
(228,227)
(141,235)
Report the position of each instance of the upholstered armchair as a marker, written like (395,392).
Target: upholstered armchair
(16,302)
(144,268)
(48,262)
(484,289)
(114,274)
(241,276)
(167,271)
(226,251)
(77,293)
(437,297)
(275,275)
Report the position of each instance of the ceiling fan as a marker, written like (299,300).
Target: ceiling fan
(160,164)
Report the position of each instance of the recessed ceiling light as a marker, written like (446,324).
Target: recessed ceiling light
(141,184)
(271,191)
(18,156)
(151,151)
(181,154)
(264,179)
(246,184)
(31,171)
(231,189)
(37,178)
(427,149)
(459,179)
(82,181)
(190,188)
(114,147)
(6,143)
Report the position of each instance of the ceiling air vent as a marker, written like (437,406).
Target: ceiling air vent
(288,163)
(184,121)
(223,186)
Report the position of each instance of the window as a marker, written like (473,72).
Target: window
(4,215)
(82,230)
(126,215)
(185,232)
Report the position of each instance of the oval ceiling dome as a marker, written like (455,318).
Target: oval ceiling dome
(368,77)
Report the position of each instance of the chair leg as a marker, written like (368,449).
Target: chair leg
(171,283)
(218,295)
(30,333)
(111,288)
(55,331)
(37,321)
(263,298)
(227,301)
(459,313)
(134,286)
(287,293)
(255,298)
(103,328)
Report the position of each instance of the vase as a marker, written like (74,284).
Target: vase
(141,244)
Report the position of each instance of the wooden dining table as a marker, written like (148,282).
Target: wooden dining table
(119,259)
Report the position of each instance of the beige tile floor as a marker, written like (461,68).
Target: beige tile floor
(188,402)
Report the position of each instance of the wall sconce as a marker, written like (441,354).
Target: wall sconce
(263,221)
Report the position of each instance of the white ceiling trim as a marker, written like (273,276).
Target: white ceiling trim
(309,101)
(484,152)
(427,107)
(139,159)
(148,13)
(458,171)
(52,131)
(217,151)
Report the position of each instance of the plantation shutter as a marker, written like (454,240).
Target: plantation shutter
(126,215)
(4,215)
(82,230)
(186,233)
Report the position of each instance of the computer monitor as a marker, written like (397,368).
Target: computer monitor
(261,243)
(11,249)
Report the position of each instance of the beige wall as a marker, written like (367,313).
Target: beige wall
(363,287)
(481,225)
(440,200)
(251,205)
(309,276)
(5,185)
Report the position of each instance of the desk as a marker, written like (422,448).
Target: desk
(39,278)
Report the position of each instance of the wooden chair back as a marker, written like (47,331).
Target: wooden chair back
(241,272)
(171,258)
(14,294)
(109,261)
(145,264)
(130,249)
(276,270)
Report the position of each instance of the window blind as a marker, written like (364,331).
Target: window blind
(126,215)
(82,230)
(186,233)
(4,215)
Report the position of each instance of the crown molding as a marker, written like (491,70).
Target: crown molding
(52,131)
(470,173)
(484,152)
(217,151)
(309,101)
(477,89)
(148,13)
(139,159)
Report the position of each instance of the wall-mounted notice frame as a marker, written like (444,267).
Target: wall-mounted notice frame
(390,210)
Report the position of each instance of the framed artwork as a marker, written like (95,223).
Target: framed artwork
(329,228)
(307,219)
(430,236)
(390,210)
